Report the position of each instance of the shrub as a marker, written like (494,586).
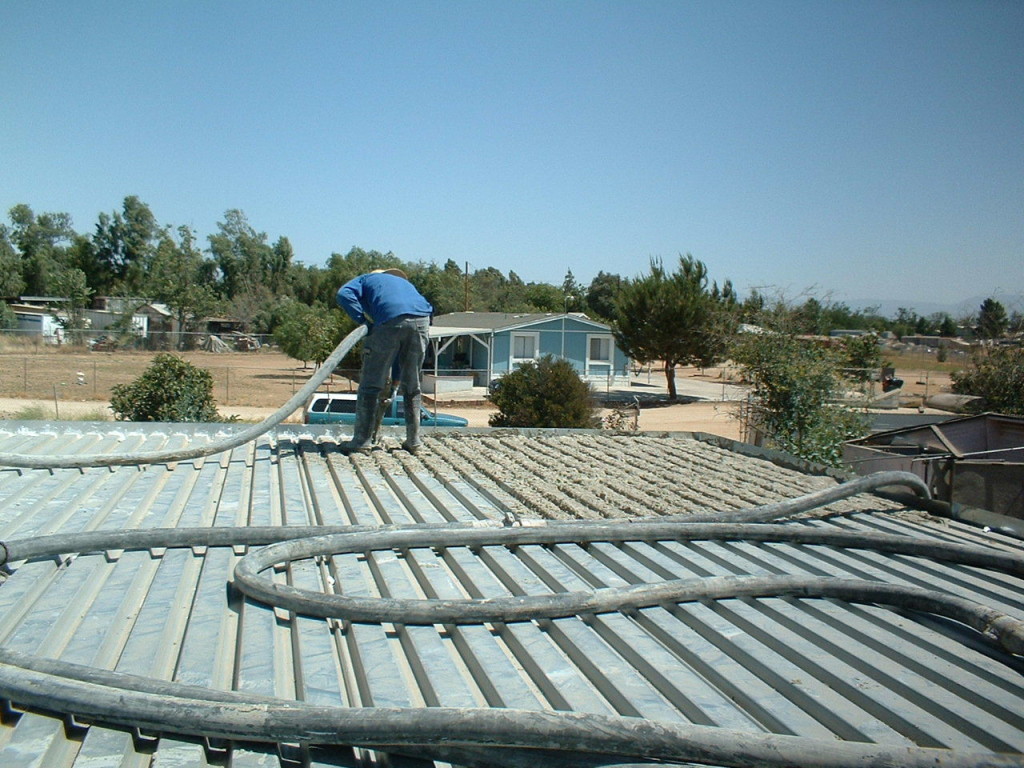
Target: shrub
(998,377)
(863,356)
(795,383)
(170,389)
(545,393)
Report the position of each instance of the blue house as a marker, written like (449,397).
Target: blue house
(487,345)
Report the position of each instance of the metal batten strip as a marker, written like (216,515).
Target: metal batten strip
(883,676)
(797,696)
(846,692)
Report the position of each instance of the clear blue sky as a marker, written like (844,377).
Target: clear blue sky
(857,149)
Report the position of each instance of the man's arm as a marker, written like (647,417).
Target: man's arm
(349,299)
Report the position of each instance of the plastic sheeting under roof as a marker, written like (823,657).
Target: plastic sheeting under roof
(823,669)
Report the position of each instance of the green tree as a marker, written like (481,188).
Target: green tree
(124,242)
(243,256)
(543,297)
(904,323)
(601,294)
(810,319)
(572,294)
(992,319)
(676,318)
(863,356)
(11,282)
(444,287)
(41,242)
(179,278)
(489,291)
(310,333)
(543,393)
(311,283)
(795,383)
(8,320)
(997,376)
(170,389)
(947,327)
(280,266)
(73,289)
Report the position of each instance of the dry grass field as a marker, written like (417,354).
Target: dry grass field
(39,381)
(264,378)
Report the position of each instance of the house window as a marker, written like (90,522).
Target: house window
(600,350)
(524,346)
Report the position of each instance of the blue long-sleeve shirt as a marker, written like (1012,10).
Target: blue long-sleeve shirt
(381,297)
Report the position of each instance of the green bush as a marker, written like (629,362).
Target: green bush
(795,383)
(545,393)
(170,389)
(863,356)
(998,377)
(8,320)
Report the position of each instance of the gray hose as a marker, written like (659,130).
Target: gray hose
(28,461)
(171,708)
(534,532)
(778,509)
(1007,630)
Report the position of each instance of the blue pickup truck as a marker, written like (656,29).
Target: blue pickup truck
(340,408)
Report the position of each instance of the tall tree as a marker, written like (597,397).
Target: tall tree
(572,293)
(42,242)
(75,296)
(125,242)
(11,282)
(341,269)
(179,277)
(444,287)
(280,267)
(543,297)
(992,319)
(947,327)
(489,291)
(600,296)
(673,318)
(243,256)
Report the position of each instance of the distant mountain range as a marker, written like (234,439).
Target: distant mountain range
(969,306)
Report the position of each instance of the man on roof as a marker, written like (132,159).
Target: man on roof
(397,317)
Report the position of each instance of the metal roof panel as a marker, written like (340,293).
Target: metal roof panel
(819,668)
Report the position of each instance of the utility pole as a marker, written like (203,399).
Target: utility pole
(466,284)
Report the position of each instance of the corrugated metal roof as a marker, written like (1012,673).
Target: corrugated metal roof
(820,668)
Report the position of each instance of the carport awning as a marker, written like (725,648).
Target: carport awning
(441,332)
(442,336)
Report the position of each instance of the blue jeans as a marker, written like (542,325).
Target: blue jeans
(403,341)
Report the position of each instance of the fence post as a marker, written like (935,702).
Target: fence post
(227,386)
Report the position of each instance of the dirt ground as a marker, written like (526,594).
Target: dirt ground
(52,383)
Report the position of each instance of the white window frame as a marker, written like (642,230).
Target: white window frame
(533,336)
(605,366)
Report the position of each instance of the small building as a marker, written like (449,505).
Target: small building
(37,322)
(487,345)
(976,461)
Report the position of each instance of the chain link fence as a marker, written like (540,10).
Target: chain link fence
(259,377)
